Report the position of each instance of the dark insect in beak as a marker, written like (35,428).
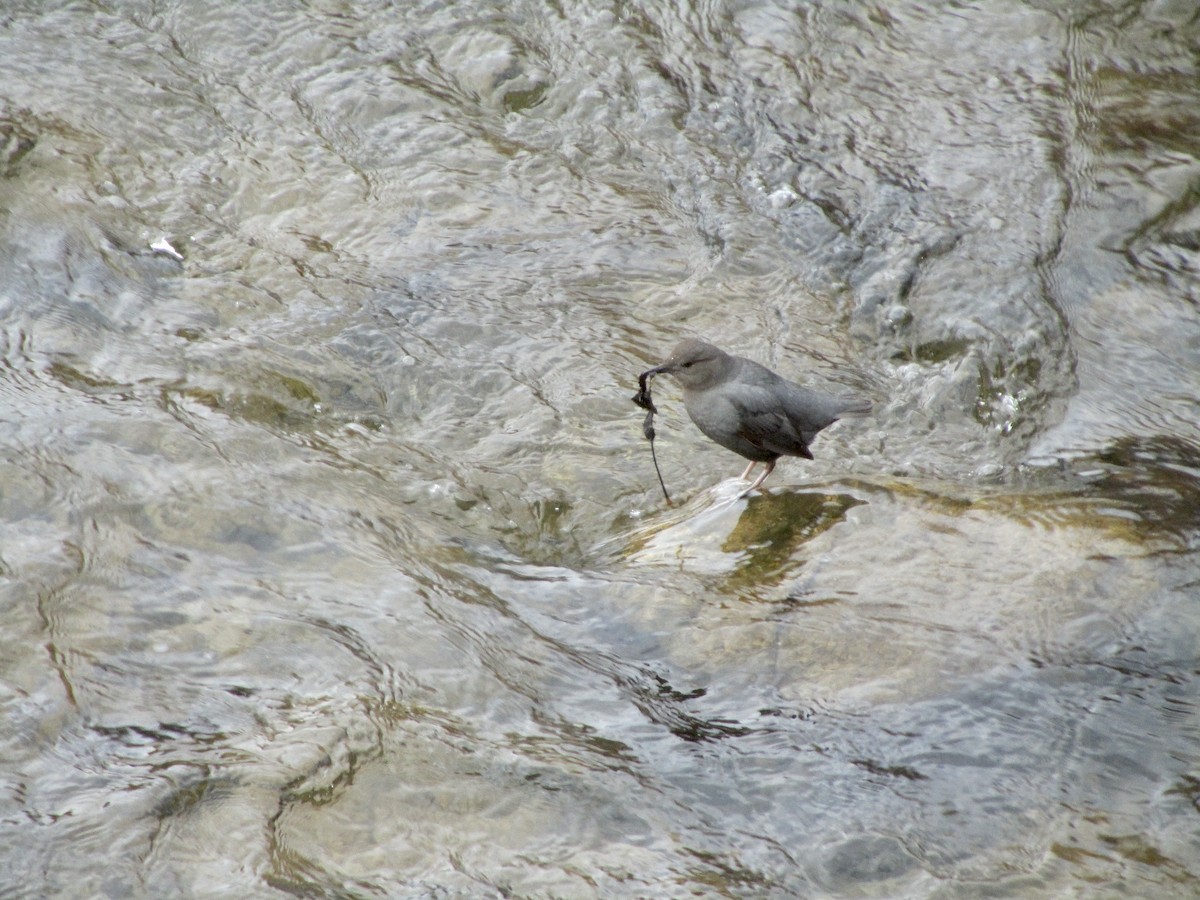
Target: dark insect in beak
(643,399)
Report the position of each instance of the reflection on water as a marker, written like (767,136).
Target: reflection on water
(333,559)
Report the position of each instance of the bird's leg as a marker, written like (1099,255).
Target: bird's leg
(746,474)
(770,467)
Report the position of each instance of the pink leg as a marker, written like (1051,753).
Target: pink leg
(761,478)
(746,474)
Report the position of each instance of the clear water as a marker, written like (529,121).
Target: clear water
(333,561)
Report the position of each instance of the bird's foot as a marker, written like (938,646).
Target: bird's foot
(767,470)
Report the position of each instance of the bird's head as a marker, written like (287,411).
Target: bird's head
(697,365)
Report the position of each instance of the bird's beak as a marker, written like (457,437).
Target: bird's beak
(657,370)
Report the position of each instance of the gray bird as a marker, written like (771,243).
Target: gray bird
(749,409)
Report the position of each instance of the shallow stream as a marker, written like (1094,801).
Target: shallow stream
(332,558)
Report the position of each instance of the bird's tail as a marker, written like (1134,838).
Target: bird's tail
(855,406)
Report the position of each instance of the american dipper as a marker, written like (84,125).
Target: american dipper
(749,409)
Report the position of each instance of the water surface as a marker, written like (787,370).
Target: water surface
(333,559)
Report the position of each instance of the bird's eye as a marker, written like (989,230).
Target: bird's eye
(689,363)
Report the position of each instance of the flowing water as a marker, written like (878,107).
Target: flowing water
(333,560)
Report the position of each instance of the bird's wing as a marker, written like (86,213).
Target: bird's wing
(762,422)
(811,411)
